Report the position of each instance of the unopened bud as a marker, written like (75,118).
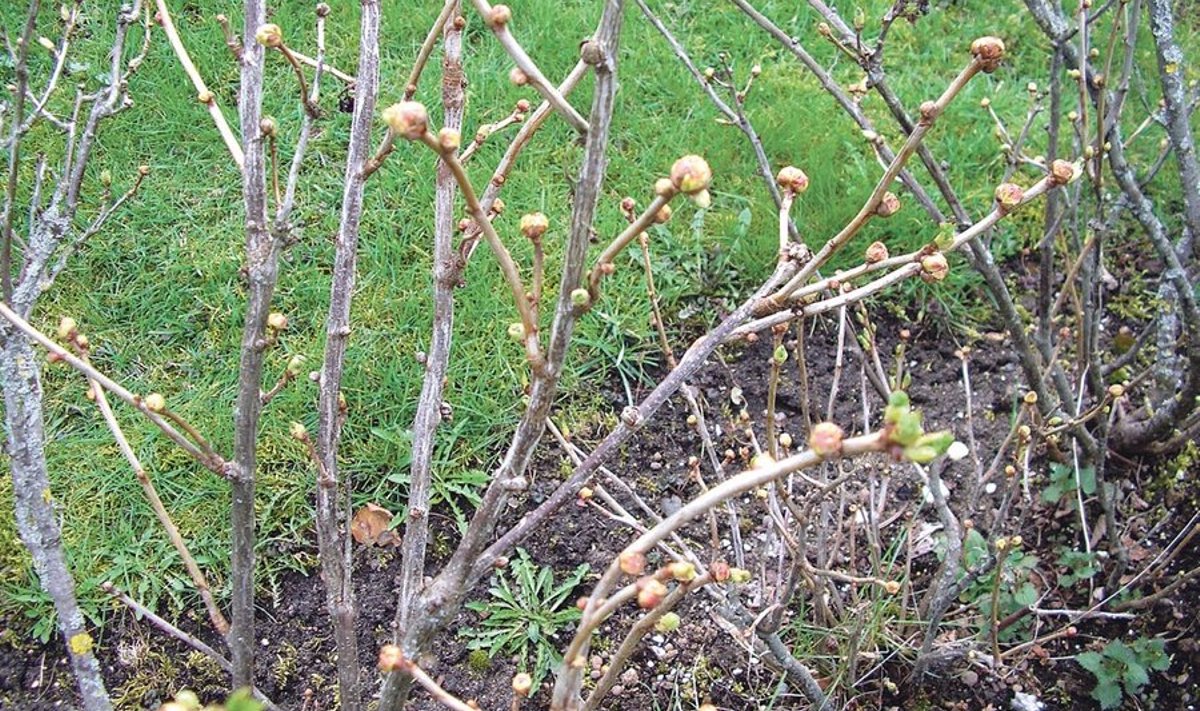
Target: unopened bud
(785,440)
(703,199)
(1009,196)
(691,174)
(826,439)
(663,214)
(739,576)
(277,321)
(632,562)
(522,684)
(295,366)
(667,623)
(889,205)
(268,127)
(155,402)
(892,587)
(682,570)
(876,253)
(988,51)
(298,431)
(449,139)
(516,331)
(1030,398)
(650,593)
(407,119)
(580,297)
(934,267)
(534,225)
(269,35)
(1116,390)
(1061,172)
(500,15)
(792,178)
(205,97)
(391,658)
(67,328)
(518,77)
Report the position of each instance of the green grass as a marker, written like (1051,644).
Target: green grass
(158,291)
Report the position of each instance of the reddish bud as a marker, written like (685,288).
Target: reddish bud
(632,562)
(691,174)
(534,225)
(500,15)
(518,76)
(876,253)
(650,593)
(826,439)
(1009,196)
(792,178)
(989,51)
(934,267)
(1061,172)
(888,205)
(269,35)
(407,119)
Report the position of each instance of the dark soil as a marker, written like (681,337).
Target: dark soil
(702,661)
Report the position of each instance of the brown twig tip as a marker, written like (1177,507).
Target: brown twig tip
(876,252)
(499,16)
(691,175)
(277,321)
(792,179)
(269,35)
(889,205)
(934,267)
(826,439)
(1009,196)
(205,97)
(407,119)
(518,77)
(522,684)
(534,225)
(988,51)
(323,9)
(269,127)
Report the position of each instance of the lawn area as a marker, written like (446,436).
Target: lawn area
(159,295)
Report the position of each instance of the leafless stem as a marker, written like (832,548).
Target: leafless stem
(450,7)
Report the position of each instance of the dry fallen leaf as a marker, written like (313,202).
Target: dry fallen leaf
(370,525)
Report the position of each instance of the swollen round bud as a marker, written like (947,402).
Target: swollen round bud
(516,331)
(650,593)
(785,440)
(889,205)
(205,97)
(106,177)
(449,140)
(1009,196)
(1116,390)
(522,684)
(719,570)
(632,562)
(269,35)
(500,15)
(580,297)
(663,214)
(534,225)
(762,460)
(985,102)
(522,106)
(277,321)
(628,204)
(323,9)
(691,174)
(268,127)
(663,187)
(67,328)
(667,623)
(876,252)
(298,431)
(590,52)
(826,439)
(682,570)
(989,51)
(1061,172)
(407,119)
(82,341)
(295,366)
(792,178)
(703,199)
(756,70)
(391,658)
(892,587)
(518,77)
(739,576)
(155,402)
(934,267)
(929,111)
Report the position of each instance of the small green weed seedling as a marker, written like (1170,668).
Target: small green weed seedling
(1123,669)
(523,613)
